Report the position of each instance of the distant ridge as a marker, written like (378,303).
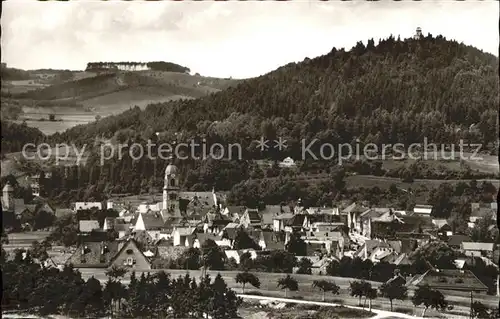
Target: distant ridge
(137,66)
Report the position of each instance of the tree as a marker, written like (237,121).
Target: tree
(190,259)
(92,297)
(479,310)
(277,261)
(359,289)
(162,293)
(482,231)
(438,254)
(332,269)
(39,250)
(429,298)
(114,290)
(246,262)
(326,286)
(288,283)
(212,256)
(247,278)
(393,289)
(244,241)
(305,266)
(371,294)
(224,303)
(296,246)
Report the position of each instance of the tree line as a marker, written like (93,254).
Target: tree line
(47,291)
(156,66)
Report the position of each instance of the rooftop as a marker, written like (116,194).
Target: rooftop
(450,279)
(477,246)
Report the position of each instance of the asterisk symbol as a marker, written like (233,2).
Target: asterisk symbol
(280,143)
(262,143)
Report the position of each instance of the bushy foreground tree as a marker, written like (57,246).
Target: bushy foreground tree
(393,290)
(429,298)
(244,278)
(288,283)
(326,286)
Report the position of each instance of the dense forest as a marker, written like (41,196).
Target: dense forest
(14,136)
(398,91)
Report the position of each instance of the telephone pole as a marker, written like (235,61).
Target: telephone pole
(471,305)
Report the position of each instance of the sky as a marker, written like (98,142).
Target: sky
(225,39)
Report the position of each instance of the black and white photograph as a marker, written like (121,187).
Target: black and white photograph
(298,159)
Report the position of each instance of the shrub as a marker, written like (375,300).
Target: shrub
(443,279)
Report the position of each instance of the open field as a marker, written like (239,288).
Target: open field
(386,182)
(49,127)
(481,162)
(17,165)
(306,291)
(104,94)
(258,307)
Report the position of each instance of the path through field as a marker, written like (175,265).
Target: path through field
(379,313)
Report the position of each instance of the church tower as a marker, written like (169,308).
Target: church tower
(170,188)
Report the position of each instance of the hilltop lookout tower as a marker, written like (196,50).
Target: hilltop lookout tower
(418,35)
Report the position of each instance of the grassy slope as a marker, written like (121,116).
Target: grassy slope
(91,94)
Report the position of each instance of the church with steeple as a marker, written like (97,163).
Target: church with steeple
(171,190)
(176,203)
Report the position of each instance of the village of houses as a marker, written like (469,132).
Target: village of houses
(184,220)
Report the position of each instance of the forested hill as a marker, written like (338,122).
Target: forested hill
(395,91)
(15,136)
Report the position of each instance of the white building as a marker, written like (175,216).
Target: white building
(287,163)
(87,205)
(422,210)
(418,35)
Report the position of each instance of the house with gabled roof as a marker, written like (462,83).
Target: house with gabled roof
(214,223)
(448,279)
(296,223)
(422,210)
(152,222)
(130,256)
(375,250)
(184,236)
(353,212)
(397,259)
(280,221)
(455,241)
(251,218)
(201,238)
(234,212)
(270,240)
(87,226)
(91,254)
(366,220)
(324,219)
(475,249)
